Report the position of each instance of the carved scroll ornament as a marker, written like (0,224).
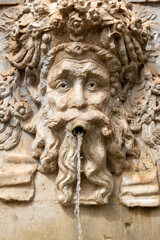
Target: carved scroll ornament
(81,63)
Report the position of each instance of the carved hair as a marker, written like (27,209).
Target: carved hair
(110,29)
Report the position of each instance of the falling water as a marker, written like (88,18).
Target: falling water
(78,187)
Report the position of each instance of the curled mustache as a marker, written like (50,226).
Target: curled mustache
(73,117)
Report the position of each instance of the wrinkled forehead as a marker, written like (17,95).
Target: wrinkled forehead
(88,56)
(84,63)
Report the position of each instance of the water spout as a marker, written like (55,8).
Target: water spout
(79,130)
(78,187)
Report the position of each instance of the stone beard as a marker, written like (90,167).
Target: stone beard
(78,96)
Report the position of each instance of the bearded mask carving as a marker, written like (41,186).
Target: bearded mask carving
(76,97)
(77,62)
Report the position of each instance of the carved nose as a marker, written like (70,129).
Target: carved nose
(79,103)
(78,100)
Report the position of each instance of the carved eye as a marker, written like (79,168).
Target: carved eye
(63,86)
(92,85)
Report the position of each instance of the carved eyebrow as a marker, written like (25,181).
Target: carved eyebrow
(61,73)
(90,72)
(97,74)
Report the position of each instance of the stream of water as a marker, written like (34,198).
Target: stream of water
(78,187)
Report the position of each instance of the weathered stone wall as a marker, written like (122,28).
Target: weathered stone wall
(10,2)
(45,219)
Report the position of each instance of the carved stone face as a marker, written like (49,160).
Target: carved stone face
(78,82)
(78,94)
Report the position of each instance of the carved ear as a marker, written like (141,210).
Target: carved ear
(31,81)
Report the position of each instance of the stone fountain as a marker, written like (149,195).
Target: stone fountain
(79,119)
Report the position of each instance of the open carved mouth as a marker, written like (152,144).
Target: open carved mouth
(77,130)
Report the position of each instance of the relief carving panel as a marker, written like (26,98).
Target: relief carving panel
(80,68)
